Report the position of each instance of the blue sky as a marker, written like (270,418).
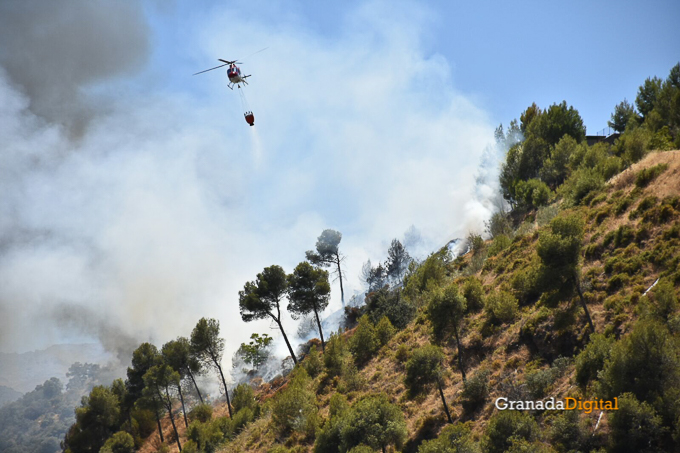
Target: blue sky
(136,191)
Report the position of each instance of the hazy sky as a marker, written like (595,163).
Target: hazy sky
(135,199)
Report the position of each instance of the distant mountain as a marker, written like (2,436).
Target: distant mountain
(7,395)
(22,372)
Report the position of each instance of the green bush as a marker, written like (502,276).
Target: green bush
(473,293)
(647,175)
(475,391)
(243,398)
(206,436)
(402,353)
(569,433)
(201,412)
(635,427)
(533,193)
(591,360)
(500,307)
(121,442)
(452,439)
(294,409)
(375,422)
(391,303)
(581,183)
(334,356)
(665,300)
(313,363)
(506,426)
(423,368)
(385,331)
(645,362)
(499,243)
(364,343)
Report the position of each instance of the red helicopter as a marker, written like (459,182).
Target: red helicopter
(236,78)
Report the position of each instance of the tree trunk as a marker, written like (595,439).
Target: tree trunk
(160,430)
(224,382)
(191,375)
(342,291)
(460,353)
(290,348)
(318,323)
(446,406)
(384,450)
(172,418)
(181,398)
(577,283)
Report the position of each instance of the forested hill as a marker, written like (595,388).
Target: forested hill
(571,292)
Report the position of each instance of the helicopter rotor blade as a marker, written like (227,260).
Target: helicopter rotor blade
(227,62)
(261,50)
(216,67)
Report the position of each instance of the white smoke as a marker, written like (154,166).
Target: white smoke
(164,207)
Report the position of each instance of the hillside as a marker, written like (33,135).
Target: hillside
(631,239)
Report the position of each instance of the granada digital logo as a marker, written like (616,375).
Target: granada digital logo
(551,404)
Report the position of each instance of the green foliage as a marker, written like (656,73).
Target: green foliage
(364,343)
(97,419)
(624,113)
(635,427)
(260,299)
(647,175)
(532,193)
(402,353)
(375,422)
(499,243)
(256,352)
(506,426)
(591,360)
(424,368)
(560,247)
(206,436)
(569,432)
(633,144)
(390,303)
(647,96)
(201,412)
(453,439)
(384,331)
(308,290)
(446,311)
(500,307)
(313,363)
(120,442)
(473,293)
(243,398)
(581,183)
(362,449)
(645,363)
(556,122)
(427,276)
(556,168)
(294,408)
(498,224)
(334,356)
(398,261)
(476,391)
(665,301)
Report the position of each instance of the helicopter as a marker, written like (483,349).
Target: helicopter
(233,73)
(237,78)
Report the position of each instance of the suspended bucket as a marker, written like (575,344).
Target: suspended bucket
(250,118)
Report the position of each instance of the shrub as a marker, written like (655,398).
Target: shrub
(476,391)
(294,409)
(506,426)
(620,237)
(635,427)
(398,309)
(645,362)
(500,307)
(334,356)
(474,294)
(385,331)
(364,343)
(591,360)
(569,433)
(498,224)
(423,368)
(121,442)
(206,436)
(533,193)
(647,175)
(243,398)
(313,363)
(499,243)
(373,421)
(201,412)
(453,439)
(361,449)
(581,183)
(665,300)
(402,353)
